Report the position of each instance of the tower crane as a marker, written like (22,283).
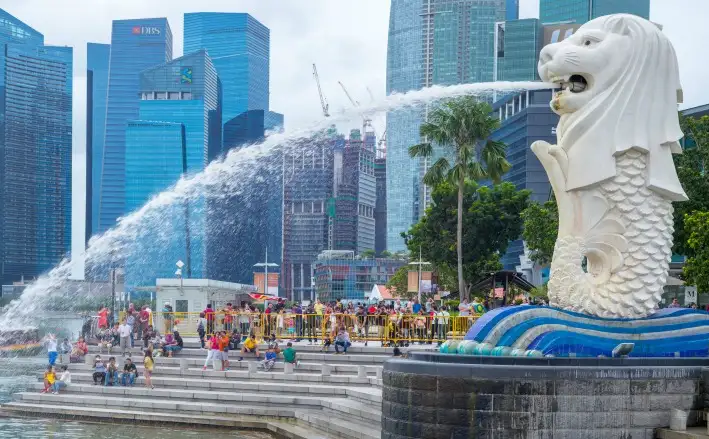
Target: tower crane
(366,121)
(382,145)
(323,102)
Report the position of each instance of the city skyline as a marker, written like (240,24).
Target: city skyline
(299,102)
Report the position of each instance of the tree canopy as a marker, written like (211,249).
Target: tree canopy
(541,226)
(464,127)
(492,218)
(692,171)
(696,268)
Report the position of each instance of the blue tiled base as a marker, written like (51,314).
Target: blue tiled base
(544,331)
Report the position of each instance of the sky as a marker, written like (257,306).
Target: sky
(347,39)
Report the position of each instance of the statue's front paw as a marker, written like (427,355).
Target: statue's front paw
(541,148)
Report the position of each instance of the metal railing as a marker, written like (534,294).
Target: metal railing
(385,327)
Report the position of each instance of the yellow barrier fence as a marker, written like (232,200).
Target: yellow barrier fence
(387,328)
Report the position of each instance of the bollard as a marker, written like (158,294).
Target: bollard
(288,368)
(326,369)
(361,371)
(183,365)
(253,366)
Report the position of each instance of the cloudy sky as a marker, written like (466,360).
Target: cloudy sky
(345,38)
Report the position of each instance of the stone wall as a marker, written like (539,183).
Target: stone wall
(445,396)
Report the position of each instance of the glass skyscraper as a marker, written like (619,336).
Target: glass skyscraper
(243,224)
(174,135)
(430,42)
(239,46)
(135,46)
(518,43)
(98,58)
(35,151)
(581,11)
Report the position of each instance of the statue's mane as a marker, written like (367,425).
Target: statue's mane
(638,111)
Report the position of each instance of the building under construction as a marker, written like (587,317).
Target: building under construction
(343,275)
(329,199)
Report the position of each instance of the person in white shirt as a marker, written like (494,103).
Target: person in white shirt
(63,381)
(464,308)
(51,342)
(124,332)
(442,315)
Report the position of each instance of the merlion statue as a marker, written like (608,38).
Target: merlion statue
(612,171)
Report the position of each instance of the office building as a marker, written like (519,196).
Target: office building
(356,196)
(98,58)
(430,42)
(136,45)
(35,151)
(525,118)
(244,224)
(248,220)
(380,208)
(177,131)
(341,275)
(239,46)
(581,11)
(309,177)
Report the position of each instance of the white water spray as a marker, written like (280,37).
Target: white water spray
(229,175)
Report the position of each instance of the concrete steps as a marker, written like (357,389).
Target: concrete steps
(351,425)
(281,428)
(327,357)
(326,396)
(691,433)
(363,411)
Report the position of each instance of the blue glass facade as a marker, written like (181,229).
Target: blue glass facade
(98,58)
(156,157)
(35,151)
(239,45)
(243,224)
(518,53)
(183,93)
(525,118)
(581,11)
(430,42)
(135,46)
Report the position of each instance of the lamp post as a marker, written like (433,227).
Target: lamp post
(420,262)
(265,264)
(178,273)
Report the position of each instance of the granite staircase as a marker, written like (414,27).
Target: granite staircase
(326,396)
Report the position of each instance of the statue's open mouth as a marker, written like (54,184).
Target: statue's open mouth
(573,83)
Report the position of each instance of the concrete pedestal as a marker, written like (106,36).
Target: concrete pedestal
(253,366)
(361,371)
(452,396)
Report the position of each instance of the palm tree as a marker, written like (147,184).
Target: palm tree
(462,126)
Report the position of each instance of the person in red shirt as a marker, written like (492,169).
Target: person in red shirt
(228,317)
(209,314)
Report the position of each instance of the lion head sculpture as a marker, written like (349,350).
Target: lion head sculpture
(620,88)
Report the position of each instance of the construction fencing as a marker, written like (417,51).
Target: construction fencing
(385,328)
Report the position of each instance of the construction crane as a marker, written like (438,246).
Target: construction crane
(323,102)
(355,103)
(366,121)
(382,146)
(371,95)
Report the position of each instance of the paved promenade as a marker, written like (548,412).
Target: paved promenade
(326,396)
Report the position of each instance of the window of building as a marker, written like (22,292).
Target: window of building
(186,95)
(174,95)
(149,96)
(161,95)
